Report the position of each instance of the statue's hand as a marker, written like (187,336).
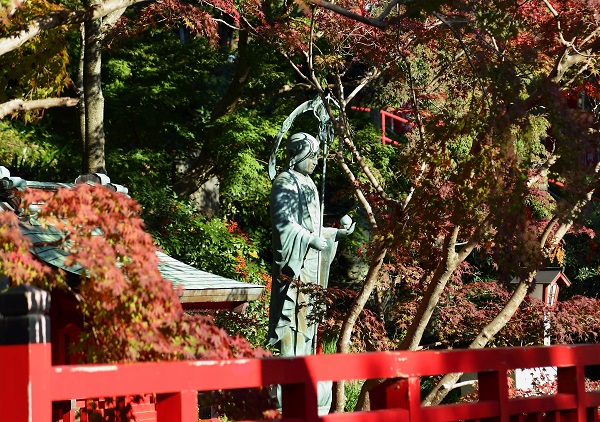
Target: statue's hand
(318,243)
(341,233)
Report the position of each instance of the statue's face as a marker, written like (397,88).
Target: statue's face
(307,166)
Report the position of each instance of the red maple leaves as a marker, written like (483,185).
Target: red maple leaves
(131,312)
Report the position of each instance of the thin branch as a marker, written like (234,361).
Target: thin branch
(109,21)
(413,188)
(593,34)
(555,15)
(542,170)
(573,214)
(387,10)
(224,22)
(473,241)
(371,75)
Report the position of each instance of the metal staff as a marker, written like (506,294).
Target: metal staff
(325,135)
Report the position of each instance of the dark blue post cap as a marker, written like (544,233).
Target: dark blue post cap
(22,319)
(24,300)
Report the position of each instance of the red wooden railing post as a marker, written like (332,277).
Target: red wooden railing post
(493,386)
(177,407)
(299,401)
(25,355)
(383,136)
(398,393)
(571,380)
(392,393)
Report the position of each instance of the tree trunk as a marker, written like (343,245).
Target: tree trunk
(229,101)
(446,384)
(432,295)
(85,165)
(94,140)
(450,262)
(343,344)
(444,271)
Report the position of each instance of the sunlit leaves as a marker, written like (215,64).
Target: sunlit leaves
(131,313)
(16,262)
(39,68)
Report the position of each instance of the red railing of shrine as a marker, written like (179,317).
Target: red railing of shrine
(390,120)
(30,383)
(395,122)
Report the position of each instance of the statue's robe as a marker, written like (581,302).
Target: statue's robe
(295,217)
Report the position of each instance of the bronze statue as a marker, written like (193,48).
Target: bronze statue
(302,248)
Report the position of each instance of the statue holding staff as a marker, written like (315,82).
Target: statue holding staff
(302,251)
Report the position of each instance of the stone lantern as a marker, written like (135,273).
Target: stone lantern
(547,283)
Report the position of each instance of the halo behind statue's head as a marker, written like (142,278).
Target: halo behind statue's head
(325,132)
(299,147)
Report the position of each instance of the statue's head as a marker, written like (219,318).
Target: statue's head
(300,148)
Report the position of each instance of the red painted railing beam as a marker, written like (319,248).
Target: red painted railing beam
(548,403)
(300,375)
(487,410)
(394,116)
(25,366)
(24,377)
(127,379)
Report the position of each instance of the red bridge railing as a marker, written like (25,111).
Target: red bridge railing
(30,383)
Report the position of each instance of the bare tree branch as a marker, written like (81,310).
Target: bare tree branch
(376,22)
(110,20)
(371,75)
(16,39)
(13,106)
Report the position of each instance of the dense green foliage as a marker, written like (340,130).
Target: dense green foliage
(159,91)
(35,152)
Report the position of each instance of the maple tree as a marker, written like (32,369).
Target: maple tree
(131,313)
(465,308)
(488,85)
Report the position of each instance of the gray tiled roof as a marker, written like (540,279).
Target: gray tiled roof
(201,286)
(44,239)
(548,275)
(197,286)
(48,185)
